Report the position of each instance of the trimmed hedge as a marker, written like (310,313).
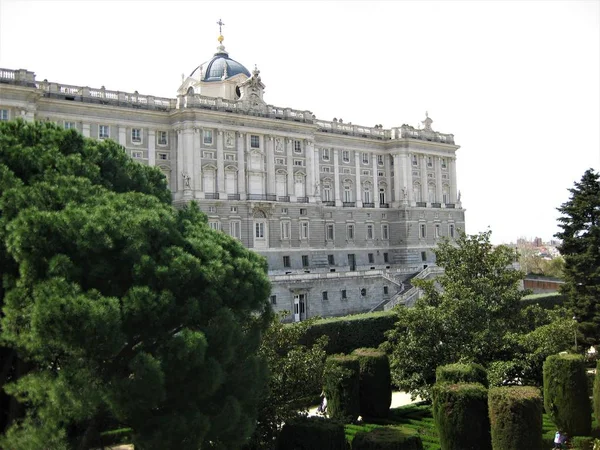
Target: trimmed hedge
(312,433)
(460,412)
(386,438)
(375,382)
(597,393)
(566,397)
(516,417)
(351,332)
(341,385)
(461,373)
(546,301)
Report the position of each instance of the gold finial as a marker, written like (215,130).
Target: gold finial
(220,38)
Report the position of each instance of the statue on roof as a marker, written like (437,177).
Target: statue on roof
(427,122)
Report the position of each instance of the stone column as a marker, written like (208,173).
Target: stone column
(151,148)
(220,166)
(438,180)
(241,166)
(197,184)
(424,181)
(317,174)
(407,163)
(122,136)
(453,186)
(336,175)
(188,162)
(357,177)
(180,168)
(397,181)
(310,174)
(270,165)
(375,192)
(85,129)
(290,169)
(388,177)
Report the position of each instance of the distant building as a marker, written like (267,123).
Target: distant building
(343,213)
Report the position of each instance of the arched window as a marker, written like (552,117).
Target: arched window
(367,198)
(446,193)
(431,192)
(417,191)
(326,192)
(348,197)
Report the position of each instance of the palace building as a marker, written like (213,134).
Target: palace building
(344,214)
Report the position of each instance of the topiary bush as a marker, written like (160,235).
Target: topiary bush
(312,433)
(375,382)
(341,386)
(461,373)
(386,438)
(516,417)
(596,394)
(566,397)
(460,412)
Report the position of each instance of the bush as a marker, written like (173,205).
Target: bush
(461,416)
(566,394)
(516,418)
(582,442)
(312,433)
(461,373)
(386,438)
(351,332)
(375,383)
(546,301)
(341,385)
(596,394)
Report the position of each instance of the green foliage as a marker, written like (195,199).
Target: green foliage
(580,248)
(596,393)
(295,378)
(386,438)
(121,305)
(546,301)
(566,394)
(351,332)
(516,418)
(375,385)
(460,412)
(341,381)
(461,373)
(312,433)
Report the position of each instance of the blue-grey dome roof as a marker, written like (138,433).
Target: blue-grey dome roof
(214,69)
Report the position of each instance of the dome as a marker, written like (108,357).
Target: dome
(220,64)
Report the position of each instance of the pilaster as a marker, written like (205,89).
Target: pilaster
(197,162)
(397,181)
(375,192)
(357,178)
(438,180)
(424,196)
(289,152)
(85,129)
(241,166)
(270,165)
(310,174)
(336,175)
(220,166)
(151,148)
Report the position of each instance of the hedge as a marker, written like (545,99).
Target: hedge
(460,412)
(516,417)
(341,386)
(351,332)
(566,397)
(596,394)
(386,438)
(375,383)
(546,301)
(461,373)
(312,433)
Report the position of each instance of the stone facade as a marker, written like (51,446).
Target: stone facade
(342,213)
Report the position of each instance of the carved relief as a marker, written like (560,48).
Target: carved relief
(229,139)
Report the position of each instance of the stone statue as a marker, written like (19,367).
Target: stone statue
(229,139)
(458,199)
(404,193)
(186,180)
(278,145)
(317,189)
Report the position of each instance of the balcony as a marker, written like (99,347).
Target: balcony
(302,200)
(233,196)
(384,205)
(211,195)
(283,198)
(349,204)
(263,197)
(450,205)
(436,205)
(368,205)
(421,204)
(328,203)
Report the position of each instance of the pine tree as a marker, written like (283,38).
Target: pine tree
(580,248)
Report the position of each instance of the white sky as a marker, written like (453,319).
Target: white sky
(517,83)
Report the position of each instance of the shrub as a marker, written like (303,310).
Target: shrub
(351,332)
(386,438)
(312,433)
(375,383)
(516,417)
(461,373)
(341,385)
(596,394)
(461,416)
(582,442)
(566,394)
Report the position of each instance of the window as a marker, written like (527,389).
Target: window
(302,211)
(345,156)
(380,173)
(299,162)
(371,258)
(344,296)
(285,230)
(162,138)
(369,231)
(423,256)
(284,210)
(163,156)
(326,154)
(273,299)
(422,231)
(230,157)
(415,161)
(326,169)
(208,155)
(382,197)
(325,295)
(385,290)
(286,261)
(235,227)
(212,209)
(259,230)
(136,135)
(385,232)
(207,137)
(3,114)
(331,260)
(137,155)
(304,260)
(451,230)
(233,209)
(363,292)
(297,147)
(367,195)
(326,193)
(443,163)
(429,161)
(280,161)
(366,172)
(383,215)
(103,132)
(380,160)
(69,125)
(329,234)
(304,230)
(214,225)
(437,231)
(365,158)
(350,232)
(386,258)
(254,141)
(347,193)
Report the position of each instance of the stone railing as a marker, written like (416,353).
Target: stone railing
(352,130)
(409,132)
(409,297)
(20,77)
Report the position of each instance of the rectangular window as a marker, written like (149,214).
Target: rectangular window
(285,230)
(230,157)
(366,172)
(163,156)
(371,258)
(451,230)
(329,234)
(331,260)
(207,137)
(299,162)
(415,161)
(233,209)
(326,154)
(212,209)
(302,211)
(304,230)
(380,173)
(69,125)
(429,161)
(208,155)
(103,132)
(383,215)
(161,138)
(235,229)
(273,299)
(385,290)
(259,230)
(443,163)
(350,232)
(297,147)
(422,231)
(365,158)
(280,161)
(304,260)
(3,114)
(136,135)
(385,232)
(437,231)
(380,160)
(286,261)
(423,256)
(137,155)
(345,156)
(386,258)
(254,141)
(369,231)
(344,296)
(214,225)
(284,210)
(325,295)
(326,169)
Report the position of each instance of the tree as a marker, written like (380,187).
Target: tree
(122,308)
(580,235)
